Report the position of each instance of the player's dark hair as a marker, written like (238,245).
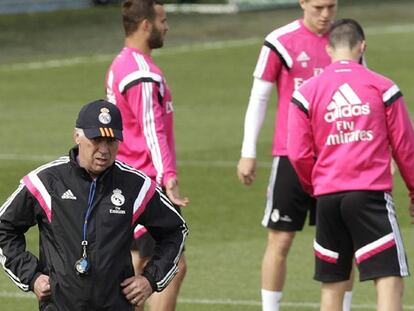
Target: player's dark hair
(135,11)
(346,32)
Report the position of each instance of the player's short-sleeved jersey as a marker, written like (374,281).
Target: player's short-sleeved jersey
(137,86)
(290,55)
(352,121)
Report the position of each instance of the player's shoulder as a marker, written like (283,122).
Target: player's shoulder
(378,80)
(130,60)
(51,169)
(285,32)
(132,67)
(378,76)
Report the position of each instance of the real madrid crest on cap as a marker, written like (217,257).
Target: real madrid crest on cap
(100,119)
(104,116)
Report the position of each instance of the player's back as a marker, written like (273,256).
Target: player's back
(347,110)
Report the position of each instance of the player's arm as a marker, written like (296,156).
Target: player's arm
(145,103)
(265,74)
(255,114)
(401,134)
(169,230)
(300,145)
(16,217)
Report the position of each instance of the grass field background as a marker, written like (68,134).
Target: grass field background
(53,63)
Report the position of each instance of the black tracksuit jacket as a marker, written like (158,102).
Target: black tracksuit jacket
(55,197)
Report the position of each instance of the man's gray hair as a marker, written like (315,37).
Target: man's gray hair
(79,131)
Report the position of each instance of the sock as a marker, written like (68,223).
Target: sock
(270,300)
(346,305)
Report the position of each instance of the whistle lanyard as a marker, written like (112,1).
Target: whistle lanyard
(88,212)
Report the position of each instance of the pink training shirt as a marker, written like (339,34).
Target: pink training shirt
(290,55)
(353,121)
(137,86)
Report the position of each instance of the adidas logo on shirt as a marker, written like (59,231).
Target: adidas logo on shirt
(345,103)
(303,57)
(68,195)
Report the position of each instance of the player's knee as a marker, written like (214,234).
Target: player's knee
(280,242)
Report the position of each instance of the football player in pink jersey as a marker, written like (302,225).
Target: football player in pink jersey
(290,55)
(138,87)
(345,126)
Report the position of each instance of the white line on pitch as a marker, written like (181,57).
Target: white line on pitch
(188,163)
(56,63)
(312,305)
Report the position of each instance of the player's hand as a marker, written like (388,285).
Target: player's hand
(41,287)
(171,189)
(136,289)
(246,170)
(411,210)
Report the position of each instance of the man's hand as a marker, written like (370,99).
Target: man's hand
(41,287)
(171,189)
(136,289)
(411,209)
(246,170)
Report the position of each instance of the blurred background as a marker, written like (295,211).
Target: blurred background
(54,55)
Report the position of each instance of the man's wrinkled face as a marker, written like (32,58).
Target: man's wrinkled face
(97,154)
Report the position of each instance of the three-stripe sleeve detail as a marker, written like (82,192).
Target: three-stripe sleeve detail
(35,186)
(142,199)
(15,279)
(174,269)
(38,189)
(139,231)
(301,102)
(281,52)
(272,42)
(144,195)
(391,95)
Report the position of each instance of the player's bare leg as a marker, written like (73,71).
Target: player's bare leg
(346,304)
(332,295)
(389,293)
(167,299)
(274,267)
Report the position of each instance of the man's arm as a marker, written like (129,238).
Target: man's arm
(266,72)
(145,103)
(300,144)
(169,230)
(16,217)
(401,136)
(255,114)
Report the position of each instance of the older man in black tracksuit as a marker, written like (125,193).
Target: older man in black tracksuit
(86,206)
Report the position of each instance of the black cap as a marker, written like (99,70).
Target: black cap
(100,119)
